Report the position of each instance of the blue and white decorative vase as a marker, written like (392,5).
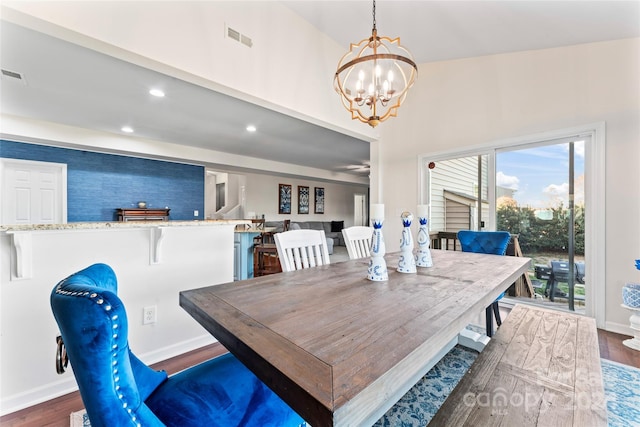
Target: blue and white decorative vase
(407,262)
(631,295)
(423,255)
(377,270)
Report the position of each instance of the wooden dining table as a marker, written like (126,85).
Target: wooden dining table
(341,349)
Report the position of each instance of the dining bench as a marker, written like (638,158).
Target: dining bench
(541,368)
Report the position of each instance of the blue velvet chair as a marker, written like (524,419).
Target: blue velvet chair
(486,242)
(119,390)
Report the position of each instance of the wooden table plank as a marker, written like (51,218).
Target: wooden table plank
(339,348)
(590,401)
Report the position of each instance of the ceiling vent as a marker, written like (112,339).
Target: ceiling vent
(237,36)
(14,75)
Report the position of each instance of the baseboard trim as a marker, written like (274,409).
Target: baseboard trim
(178,349)
(38,395)
(619,328)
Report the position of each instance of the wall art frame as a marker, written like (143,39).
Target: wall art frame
(284,198)
(303,199)
(319,200)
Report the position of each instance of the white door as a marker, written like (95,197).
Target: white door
(33,192)
(359,209)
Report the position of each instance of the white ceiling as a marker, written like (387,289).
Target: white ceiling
(445,30)
(73,85)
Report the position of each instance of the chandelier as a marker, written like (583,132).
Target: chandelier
(373,77)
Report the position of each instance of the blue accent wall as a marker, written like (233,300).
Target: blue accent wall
(97,183)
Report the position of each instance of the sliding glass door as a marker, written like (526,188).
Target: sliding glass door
(536,192)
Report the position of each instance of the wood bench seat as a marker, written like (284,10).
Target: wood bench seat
(542,368)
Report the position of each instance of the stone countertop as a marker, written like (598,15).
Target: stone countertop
(118,225)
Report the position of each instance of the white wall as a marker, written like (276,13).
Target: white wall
(471,102)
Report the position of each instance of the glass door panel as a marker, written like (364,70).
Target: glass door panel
(453,194)
(540,198)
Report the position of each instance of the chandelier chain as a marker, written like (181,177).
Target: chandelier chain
(374,15)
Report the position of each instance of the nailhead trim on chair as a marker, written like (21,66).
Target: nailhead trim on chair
(114,326)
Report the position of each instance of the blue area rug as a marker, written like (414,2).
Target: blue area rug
(622,392)
(419,405)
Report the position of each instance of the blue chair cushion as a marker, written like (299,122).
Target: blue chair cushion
(484,242)
(147,379)
(220,392)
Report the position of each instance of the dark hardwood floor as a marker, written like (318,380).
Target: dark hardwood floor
(55,413)
(611,348)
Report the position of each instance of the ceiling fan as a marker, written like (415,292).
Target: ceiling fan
(362,167)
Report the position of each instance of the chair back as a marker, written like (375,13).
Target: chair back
(484,242)
(113,382)
(358,241)
(298,249)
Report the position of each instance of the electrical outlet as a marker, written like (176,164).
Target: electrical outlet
(196,213)
(149,315)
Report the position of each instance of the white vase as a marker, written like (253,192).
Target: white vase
(406,262)
(377,270)
(423,255)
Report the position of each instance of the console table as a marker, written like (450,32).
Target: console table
(138,214)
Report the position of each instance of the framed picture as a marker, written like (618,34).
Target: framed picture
(284,198)
(319,200)
(303,199)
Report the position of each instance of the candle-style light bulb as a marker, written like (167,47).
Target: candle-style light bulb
(360,86)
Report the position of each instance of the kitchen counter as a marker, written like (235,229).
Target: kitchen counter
(119,224)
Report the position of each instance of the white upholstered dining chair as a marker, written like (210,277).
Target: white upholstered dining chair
(298,249)
(358,241)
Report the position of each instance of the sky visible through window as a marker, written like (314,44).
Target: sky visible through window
(540,176)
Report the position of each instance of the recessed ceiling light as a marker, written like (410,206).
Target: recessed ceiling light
(157,92)
(127,129)
(251,128)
